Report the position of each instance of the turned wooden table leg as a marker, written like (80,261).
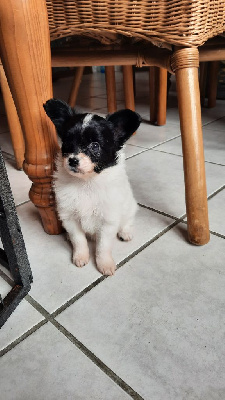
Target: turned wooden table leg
(185,64)
(26,58)
(13,120)
(110,88)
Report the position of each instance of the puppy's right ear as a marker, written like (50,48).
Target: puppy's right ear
(58,111)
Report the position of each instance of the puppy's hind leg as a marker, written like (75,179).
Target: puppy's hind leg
(104,242)
(79,242)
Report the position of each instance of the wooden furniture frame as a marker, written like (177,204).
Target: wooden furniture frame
(26,58)
(13,120)
(209,73)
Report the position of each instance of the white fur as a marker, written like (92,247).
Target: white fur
(102,206)
(85,167)
(86,121)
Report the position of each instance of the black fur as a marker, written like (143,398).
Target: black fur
(59,112)
(100,140)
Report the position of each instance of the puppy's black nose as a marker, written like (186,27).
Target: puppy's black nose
(73,162)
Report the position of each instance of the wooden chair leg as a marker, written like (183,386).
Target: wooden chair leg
(158,95)
(75,86)
(13,121)
(192,143)
(162,96)
(26,58)
(153,86)
(110,88)
(202,81)
(212,83)
(128,84)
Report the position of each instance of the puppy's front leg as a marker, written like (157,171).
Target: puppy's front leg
(79,242)
(104,241)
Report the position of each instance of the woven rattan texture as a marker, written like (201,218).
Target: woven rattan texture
(188,23)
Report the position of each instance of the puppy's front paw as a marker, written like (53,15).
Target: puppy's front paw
(80,259)
(106,266)
(125,235)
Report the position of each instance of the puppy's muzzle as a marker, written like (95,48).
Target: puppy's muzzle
(79,164)
(73,162)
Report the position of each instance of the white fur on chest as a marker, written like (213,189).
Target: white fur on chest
(105,197)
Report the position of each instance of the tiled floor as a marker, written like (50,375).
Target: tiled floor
(155,330)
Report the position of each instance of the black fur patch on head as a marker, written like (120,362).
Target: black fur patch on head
(59,112)
(98,138)
(125,123)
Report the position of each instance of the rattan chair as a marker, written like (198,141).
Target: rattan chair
(126,30)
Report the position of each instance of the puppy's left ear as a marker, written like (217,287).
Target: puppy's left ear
(58,111)
(125,123)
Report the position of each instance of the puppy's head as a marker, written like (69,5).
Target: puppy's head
(90,143)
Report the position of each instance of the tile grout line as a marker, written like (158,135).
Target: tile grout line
(136,145)
(8,157)
(215,120)
(214,163)
(97,361)
(150,148)
(180,155)
(148,243)
(155,145)
(88,353)
(162,212)
(11,156)
(23,337)
(102,278)
(220,235)
(213,194)
(119,265)
(23,202)
(99,280)
(165,141)
(214,233)
(62,308)
(51,317)
(167,152)
(137,154)
(78,296)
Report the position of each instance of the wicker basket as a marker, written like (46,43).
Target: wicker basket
(187,23)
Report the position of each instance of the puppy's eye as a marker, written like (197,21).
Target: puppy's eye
(94,147)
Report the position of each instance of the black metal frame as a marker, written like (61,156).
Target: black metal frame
(14,256)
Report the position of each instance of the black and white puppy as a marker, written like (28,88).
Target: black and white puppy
(93,195)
